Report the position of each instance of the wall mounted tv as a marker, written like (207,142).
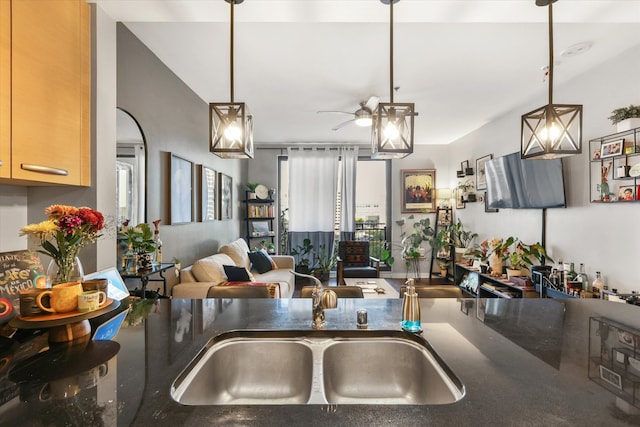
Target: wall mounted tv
(517,183)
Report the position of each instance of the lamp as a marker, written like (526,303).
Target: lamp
(231,123)
(444,196)
(392,127)
(554,130)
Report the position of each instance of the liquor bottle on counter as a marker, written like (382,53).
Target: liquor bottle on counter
(598,285)
(562,276)
(582,277)
(571,274)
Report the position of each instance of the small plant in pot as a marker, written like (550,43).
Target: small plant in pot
(252,190)
(465,188)
(444,267)
(462,239)
(325,261)
(620,115)
(302,255)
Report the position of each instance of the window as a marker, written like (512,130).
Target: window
(373,206)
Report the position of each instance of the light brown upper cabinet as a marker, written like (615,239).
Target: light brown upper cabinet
(45,86)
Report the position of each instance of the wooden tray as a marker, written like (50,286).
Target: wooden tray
(58,319)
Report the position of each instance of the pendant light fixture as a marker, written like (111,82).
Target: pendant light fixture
(392,127)
(231,123)
(554,130)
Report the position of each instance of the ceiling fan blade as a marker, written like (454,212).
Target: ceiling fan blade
(343,124)
(333,111)
(372,103)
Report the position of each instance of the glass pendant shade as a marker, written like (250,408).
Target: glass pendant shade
(392,131)
(231,126)
(552,131)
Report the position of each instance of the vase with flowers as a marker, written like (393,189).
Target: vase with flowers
(66,231)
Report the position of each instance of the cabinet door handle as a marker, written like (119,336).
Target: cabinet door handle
(1,164)
(44,169)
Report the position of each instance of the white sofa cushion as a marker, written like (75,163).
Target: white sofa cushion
(239,253)
(210,269)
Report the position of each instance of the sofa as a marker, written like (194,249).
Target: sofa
(196,279)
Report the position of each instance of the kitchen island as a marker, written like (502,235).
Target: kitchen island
(522,362)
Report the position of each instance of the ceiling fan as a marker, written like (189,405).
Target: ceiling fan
(361,117)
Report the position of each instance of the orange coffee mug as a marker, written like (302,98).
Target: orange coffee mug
(62,298)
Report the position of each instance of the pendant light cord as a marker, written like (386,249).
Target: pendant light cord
(551,53)
(391,50)
(231,53)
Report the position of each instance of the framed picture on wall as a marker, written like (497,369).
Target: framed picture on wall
(225,196)
(613,148)
(481,177)
(181,196)
(418,190)
(208,194)
(459,203)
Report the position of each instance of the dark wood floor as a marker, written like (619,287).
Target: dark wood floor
(396,283)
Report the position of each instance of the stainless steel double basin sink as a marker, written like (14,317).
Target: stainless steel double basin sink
(279,367)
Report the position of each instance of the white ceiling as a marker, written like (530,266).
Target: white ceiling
(462,62)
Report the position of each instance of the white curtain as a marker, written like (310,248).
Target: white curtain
(313,175)
(348,192)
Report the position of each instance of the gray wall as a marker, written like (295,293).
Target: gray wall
(174,120)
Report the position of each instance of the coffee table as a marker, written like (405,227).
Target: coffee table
(369,287)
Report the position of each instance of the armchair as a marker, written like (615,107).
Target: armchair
(354,261)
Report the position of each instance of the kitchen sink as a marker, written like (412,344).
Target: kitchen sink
(276,367)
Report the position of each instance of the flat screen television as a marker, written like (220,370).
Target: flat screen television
(515,183)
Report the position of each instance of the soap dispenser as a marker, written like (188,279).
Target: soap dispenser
(411,309)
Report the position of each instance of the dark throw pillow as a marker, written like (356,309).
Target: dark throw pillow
(236,274)
(261,262)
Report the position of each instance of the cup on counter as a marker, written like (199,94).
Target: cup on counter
(95,285)
(63,298)
(91,300)
(28,305)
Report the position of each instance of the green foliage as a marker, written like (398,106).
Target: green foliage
(252,186)
(460,237)
(302,253)
(620,114)
(324,259)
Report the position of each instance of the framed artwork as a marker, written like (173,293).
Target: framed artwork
(459,203)
(225,196)
(208,194)
(625,193)
(181,197)
(486,205)
(613,148)
(481,177)
(444,217)
(613,378)
(418,190)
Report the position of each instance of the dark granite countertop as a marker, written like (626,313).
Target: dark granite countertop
(522,362)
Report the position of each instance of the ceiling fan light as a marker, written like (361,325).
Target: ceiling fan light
(363,118)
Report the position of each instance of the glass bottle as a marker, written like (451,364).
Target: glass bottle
(598,284)
(582,277)
(572,274)
(561,280)
(158,244)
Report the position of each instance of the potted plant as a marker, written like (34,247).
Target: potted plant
(466,190)
(522,257)
(626,118)
(139,239)
(252,190)
(411,243)
(444,267)
(301,254)
(462,239)
(325,261)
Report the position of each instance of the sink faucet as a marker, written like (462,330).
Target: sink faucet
(321,299)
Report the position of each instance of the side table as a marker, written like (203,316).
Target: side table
(145,276)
